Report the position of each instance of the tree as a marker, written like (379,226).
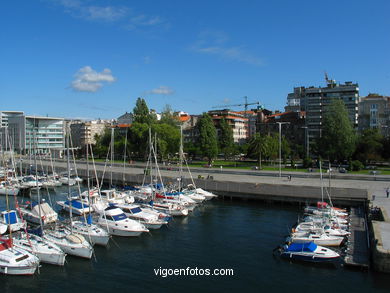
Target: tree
(142,114)
(226,141)
(207,137)
(139,139)
(168,139)
(338,136)
(167,116)
(369,146)
(258,147)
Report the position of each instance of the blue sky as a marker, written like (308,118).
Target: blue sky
(92,59)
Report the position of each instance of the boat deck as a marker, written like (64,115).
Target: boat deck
(357,253)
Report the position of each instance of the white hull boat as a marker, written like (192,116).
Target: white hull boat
(71,243)
(116,222)
(46,251)
(92,233)
(15,260)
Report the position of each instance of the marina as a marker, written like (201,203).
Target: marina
(220,234)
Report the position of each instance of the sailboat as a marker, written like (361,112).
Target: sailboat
(15,260)
(45,250)
(92,232)
(70,242)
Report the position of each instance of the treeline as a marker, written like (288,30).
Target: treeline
(339,141)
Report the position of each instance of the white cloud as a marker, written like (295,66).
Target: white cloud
(88,80)
(108,13)
(162,90)
(126,16)
(216,43)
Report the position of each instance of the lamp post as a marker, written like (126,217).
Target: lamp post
(280,146)
(306,139)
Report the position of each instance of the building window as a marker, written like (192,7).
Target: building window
(374,106)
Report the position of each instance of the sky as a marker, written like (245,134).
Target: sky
(93,58)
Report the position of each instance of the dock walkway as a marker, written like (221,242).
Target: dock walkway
(357,254)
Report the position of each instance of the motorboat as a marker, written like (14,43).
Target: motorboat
(149,219)
(308,251)
(317,238)
(172,209)
(115,197)
(117,223)
(207,194)
(313,226)
(15,260)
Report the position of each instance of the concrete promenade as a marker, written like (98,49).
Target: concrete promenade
(254,184)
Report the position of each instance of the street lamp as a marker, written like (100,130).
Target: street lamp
(306,139)
(280,146)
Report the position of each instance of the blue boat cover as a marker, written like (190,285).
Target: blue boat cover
(10,217)
(76,204)
(36,231)
(308,246)
(89,219)
(136,210)
(130,188)
(120,217)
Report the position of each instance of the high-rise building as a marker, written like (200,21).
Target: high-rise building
(374,112)
(314,101)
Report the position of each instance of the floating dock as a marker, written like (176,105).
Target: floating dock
(357,254)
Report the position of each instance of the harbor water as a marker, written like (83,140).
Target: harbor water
(220,234)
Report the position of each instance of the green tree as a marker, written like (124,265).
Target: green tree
(142,114)
(168,117)
(139,139)
(168,139)
(369,146)
(207,137)
(258,147)
(338,136)
(226,141)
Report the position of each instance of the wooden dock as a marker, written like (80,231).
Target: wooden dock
(357,253)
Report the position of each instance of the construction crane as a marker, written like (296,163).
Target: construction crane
(246,104)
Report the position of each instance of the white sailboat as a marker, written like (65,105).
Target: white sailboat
(15,260)
(45,250)
(70,242)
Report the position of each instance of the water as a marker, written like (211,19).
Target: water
(221,234)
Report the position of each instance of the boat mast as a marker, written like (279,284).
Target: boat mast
(68,166)
(112,152)
(181,158)
(36,175)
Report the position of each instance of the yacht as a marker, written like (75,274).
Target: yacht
(117,223)
(149,219)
